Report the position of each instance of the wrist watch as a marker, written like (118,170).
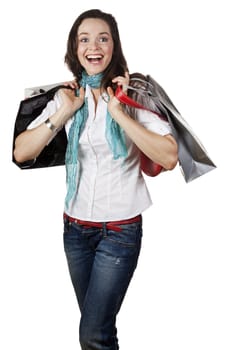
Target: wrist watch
(50,125)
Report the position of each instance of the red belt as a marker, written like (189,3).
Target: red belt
(111,225)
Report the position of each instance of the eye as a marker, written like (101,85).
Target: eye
(103,39)
(83,40)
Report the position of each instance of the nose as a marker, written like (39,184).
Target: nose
(93,45)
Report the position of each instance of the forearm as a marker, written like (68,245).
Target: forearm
(160,149)
(30,143)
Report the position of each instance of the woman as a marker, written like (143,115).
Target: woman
(106,192)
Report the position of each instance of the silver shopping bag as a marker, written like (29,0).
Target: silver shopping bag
(148,94)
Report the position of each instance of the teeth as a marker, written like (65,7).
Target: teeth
(94,56)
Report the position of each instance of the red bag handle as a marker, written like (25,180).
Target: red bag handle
(123,98)
(147,165)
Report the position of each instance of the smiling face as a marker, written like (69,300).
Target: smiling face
(95,45)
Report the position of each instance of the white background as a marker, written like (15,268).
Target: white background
(181,294)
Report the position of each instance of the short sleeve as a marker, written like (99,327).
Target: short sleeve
(153,123)
(50,109)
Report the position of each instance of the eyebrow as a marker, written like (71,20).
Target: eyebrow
(85,33)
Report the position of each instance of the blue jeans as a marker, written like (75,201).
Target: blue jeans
(101,264)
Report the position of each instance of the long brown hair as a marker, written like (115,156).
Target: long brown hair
(118,64)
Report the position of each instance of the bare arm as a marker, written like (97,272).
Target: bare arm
(30,143)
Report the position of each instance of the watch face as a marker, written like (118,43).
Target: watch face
(50,125)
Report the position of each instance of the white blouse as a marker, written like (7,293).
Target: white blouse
(108,189)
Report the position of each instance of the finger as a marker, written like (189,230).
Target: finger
(81,92)
(66,83)
(127,75)
(110,92)
(68,92)
(126,82)
(115,80)
(73,84)
(119,80)
(122,80)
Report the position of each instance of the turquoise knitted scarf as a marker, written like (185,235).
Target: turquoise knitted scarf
(113,133)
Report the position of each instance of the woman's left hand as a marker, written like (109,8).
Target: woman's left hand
(114,104)
(73,84)
(122,81)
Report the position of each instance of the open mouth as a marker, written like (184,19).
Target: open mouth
(94,58)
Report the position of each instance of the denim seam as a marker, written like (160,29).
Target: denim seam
(128,245)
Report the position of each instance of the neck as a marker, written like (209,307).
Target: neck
(94,81)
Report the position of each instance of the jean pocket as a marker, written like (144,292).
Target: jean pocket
(129,236)
(72,228)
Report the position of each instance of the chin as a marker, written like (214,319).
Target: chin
(94,71)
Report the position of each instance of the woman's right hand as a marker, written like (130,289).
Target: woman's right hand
(70,102)
(30,143)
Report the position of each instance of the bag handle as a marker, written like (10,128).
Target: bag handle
(123,98)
